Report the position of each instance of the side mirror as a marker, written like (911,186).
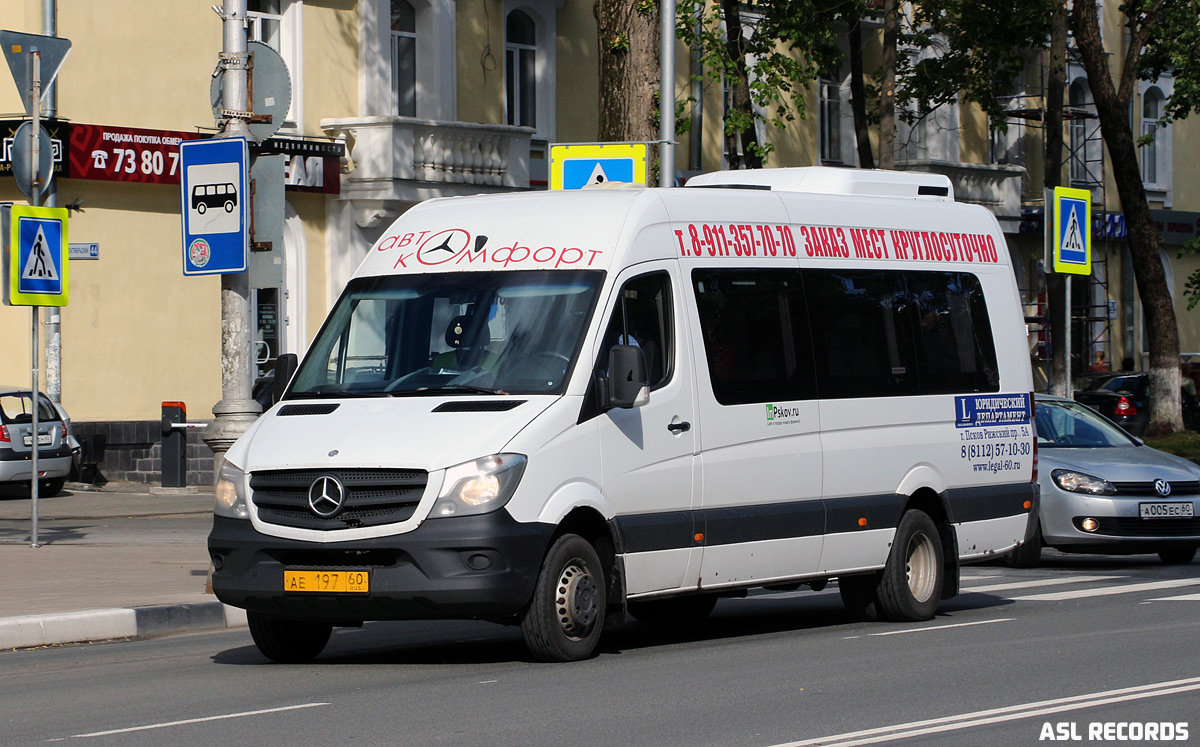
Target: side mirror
(285,368)
(627,384)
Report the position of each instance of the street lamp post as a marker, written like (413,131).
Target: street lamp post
(237,409)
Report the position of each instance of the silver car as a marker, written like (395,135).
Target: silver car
(1104,491)
(55,445)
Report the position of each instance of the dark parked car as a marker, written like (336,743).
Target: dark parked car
(1124,398)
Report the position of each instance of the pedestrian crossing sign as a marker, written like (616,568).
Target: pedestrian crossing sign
(578,165)
(35,256)
(1072,231)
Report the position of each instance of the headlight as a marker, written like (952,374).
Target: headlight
(1078,482)
(231,493)
(479,486)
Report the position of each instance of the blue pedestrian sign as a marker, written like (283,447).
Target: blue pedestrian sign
(35,261)
(578,165)
(1072,231)
(215,205)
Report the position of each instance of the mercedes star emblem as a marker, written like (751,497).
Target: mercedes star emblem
(326,496)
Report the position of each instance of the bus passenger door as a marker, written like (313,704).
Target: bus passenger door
(760,450)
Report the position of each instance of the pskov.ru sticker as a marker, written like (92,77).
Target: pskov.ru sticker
(782,415)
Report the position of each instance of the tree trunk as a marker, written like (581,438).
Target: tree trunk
(629,71)
(887,94)
(858,104)
(1057,302)
(1112,107)
(751,157)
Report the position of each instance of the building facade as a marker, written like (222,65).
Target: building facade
(392,102)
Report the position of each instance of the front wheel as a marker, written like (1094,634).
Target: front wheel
(1177,555)
(288,641)
(1029,554)
(566,616)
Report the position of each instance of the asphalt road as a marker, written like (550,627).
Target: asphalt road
(1075,645)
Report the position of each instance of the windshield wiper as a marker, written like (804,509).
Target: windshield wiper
(466,388)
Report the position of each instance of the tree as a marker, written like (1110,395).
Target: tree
(1161,35)
(767,52)
(628,40)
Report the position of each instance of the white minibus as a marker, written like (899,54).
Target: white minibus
(557,409)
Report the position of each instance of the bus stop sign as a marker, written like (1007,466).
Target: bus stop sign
(215,205)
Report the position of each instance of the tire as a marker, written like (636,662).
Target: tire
(229,206)
(1029,554)
(566,616)
(51,488)
(688,609)
(910,588)
(288,641)
(202,208)
(1177,555)
(858,595)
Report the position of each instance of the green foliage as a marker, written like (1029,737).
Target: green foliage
(1174,45)
(619,43)
(645,7)
(976,49)
(1191,288)
(788,44)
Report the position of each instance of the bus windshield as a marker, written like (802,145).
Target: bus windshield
(473,332)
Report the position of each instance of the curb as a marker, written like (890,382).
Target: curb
(32,631)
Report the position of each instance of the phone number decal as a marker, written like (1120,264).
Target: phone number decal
(736,240)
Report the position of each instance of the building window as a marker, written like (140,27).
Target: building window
(404,58)
(264,19)
(520,70)
(1152,106)
(829,119)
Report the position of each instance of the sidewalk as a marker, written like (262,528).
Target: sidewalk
(123,561)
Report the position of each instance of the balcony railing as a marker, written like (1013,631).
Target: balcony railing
(387,149)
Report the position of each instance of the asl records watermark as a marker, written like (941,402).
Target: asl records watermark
(1114,731)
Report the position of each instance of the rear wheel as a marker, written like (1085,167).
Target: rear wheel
(566,616)
(51,488)
(1177,555)
(288,641)
(909,588)
(1029,554)
(677,610)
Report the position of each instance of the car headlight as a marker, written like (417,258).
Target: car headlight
(479,486)
(1078,482)
(231,493)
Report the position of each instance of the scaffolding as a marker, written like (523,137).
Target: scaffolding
(1092,303)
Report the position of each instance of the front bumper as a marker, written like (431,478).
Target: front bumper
(471,567)
(1121,529)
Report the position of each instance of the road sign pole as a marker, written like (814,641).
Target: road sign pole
(666,98)
(33,465)
(35,188)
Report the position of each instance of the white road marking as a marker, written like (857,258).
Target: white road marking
(1105,591)
(944,627)
(1180,598)
(998,715)
(167,724)
(1033,584)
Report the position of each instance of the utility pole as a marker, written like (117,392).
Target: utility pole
(53,326)
(666,99)
(237,410)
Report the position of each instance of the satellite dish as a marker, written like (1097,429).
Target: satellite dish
(270,91)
